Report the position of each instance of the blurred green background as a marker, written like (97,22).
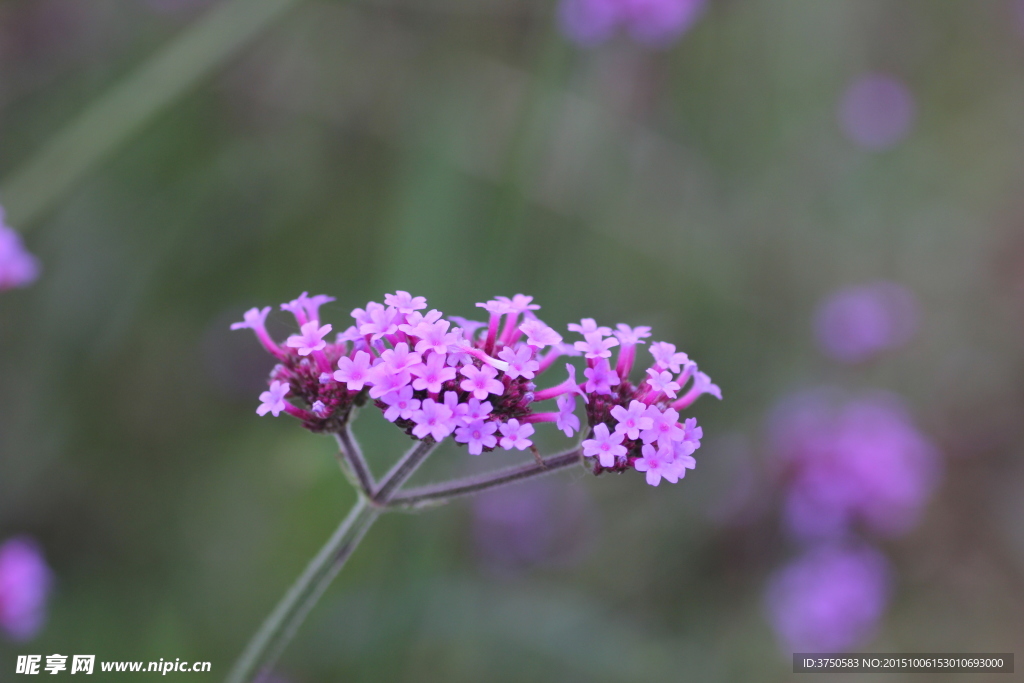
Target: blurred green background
(460,149)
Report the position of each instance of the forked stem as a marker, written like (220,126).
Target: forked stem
(402,470)
(280,627)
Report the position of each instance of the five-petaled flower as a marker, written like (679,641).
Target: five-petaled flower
(480,381)
(273,399)
(310,338)
(604,446)
(515,435)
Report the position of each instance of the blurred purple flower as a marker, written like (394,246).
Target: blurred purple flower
(1018,15)
(849,463)
(855,323)
(24,586)
(876,111)
(534,523)
(828,600)
(18,268)
(652,22)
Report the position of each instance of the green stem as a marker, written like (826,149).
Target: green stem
(402,470)
(438,494)
(279,628)
(74,151)
(353,463)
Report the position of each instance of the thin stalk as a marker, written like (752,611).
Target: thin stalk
(352,457)
(438,494)
(402,470)
(279,628)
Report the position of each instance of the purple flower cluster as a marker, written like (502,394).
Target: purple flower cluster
(857,464)
(653,22)
(25,583)
(436,377)
(830,599)
(857,323)
(851,467)
(18,268)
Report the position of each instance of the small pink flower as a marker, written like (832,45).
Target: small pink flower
(604,446)
(520,362)
(401,404)
(633,420)
(661,382)
(253,319)
(520,303)
(355,372)
(477,436)
(497,306)
(682,458)
(473,410)
(310,338)
(595,346)
(600,378)
(567,420)
(415,320)
(702,384)
(589,326)
(400,358)
(480,381)
(631,335)
(404,302)
(432,374)
(433,419)
(665,427)
(273,399)
(656,466)
(383,380)
(515,435)
(381,321)
(539,335)
(434,337)
(665,356)
(306,308)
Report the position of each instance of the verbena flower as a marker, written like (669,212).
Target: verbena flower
(828,600)
(652,22)
(18,268)
(25,582)
(436,377)
(477,435)
(851,464)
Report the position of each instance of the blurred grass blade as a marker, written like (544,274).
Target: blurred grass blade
(33,189)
